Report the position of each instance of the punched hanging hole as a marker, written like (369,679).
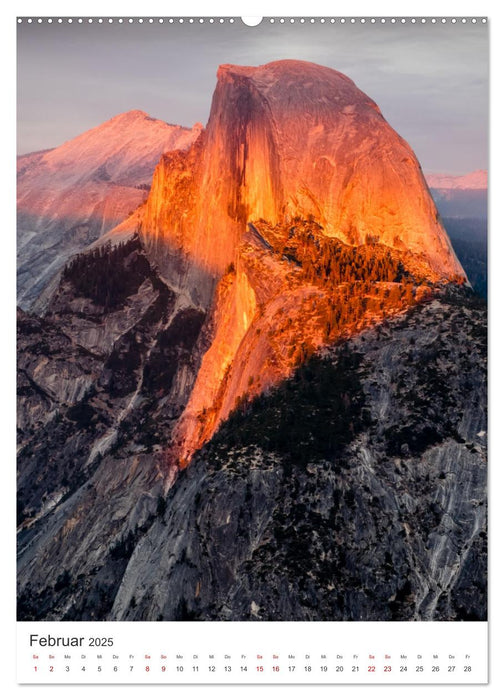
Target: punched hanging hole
(251,21)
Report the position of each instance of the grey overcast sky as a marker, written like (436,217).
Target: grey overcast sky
(430,81)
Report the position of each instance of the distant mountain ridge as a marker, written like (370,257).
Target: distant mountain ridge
(460,196)
(477,180)
(70,195)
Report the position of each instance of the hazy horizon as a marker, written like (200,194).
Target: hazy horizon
(430,81)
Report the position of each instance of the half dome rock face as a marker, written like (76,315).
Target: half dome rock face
(294,139)
(69,196)
(296,166)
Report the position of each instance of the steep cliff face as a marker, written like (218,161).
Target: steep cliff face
(316,145)
(291,293)
(289,139)
(70,195)
(294,159)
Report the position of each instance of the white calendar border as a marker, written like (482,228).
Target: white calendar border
(92,7)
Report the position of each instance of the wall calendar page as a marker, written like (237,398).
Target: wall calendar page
(252,350)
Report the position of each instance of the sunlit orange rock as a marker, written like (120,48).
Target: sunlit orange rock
(294,138)
(286,142)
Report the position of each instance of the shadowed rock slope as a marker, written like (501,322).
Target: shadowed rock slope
(356,490)
(102,378)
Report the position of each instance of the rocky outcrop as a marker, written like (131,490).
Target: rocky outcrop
(294,158)
(52,371)
(289,139)
(354,492)
(293,291)
(112,364)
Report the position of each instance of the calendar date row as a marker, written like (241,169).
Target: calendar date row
(292,668)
